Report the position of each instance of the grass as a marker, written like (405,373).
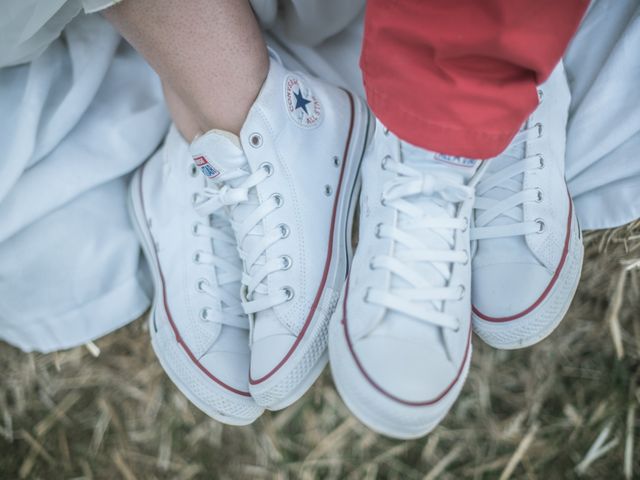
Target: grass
(566,408)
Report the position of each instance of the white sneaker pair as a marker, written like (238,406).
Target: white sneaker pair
(249,262)
(439,234)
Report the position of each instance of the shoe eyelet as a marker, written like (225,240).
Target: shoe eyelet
(194,229)
(541,161)
(462,291)
(328,191)
(539,127)
(378,230)
(193,170)
(457,329)
(371,265)
(286,262)
(336,161)
(284,230)
(194,198)
(200,283)
(205,314)
(385,131)
(466,262)
(288,292)
(539,192)
(385,160)
(278,199)
(196,257)
(267,167)
(383,201)
(466,224)
(541,225)
(540,96)
(255,140)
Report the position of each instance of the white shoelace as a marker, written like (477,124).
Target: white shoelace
(252,252)
(442,189)
(229,310)
(488,209)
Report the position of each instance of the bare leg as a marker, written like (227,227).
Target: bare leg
(209,54)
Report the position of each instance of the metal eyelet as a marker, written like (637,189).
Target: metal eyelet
(383,201)
(267,167)
(278,199)
(336,161)
(200,283)
(541,160)
(255,140)
(541,225)
(371,265)
(466,224)
(193,170)
(539,127)
(286,262)
(540,96)
(205,314)
(385,160)
(328,190)
(461,289)
(196,256)
(539,192)
(466,262)
(284,230)
(194,229)
(289,293)
(378,230)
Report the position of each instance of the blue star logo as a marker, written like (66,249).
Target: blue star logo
(301,102)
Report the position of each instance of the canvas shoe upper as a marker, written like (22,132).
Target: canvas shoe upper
(287,182)
(400,341)
(198,329)
(527,249)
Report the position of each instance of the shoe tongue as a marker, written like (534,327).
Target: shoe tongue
(437,164)
(219,155)
(427,161)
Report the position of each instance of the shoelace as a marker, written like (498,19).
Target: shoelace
(256,268)
(488,209)
(411,300)
(230,311)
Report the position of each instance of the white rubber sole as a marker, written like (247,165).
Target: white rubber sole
(310,357)
(213,399)
(374,409)
(544,319)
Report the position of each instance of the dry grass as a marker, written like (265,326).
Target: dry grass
(563,409)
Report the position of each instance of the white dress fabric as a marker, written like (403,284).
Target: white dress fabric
(75,121)
(86,110)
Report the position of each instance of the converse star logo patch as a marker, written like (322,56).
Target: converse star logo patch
(459,161)
(301,104)
(205,167)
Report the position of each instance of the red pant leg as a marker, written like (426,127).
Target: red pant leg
(460,76)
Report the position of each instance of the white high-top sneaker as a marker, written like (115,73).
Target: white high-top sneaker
(198,329)
(528,247)
(400,340)
(288,181)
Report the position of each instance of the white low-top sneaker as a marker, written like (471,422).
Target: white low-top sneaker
(527,246)
(400,341)
(289,181)
(198,329)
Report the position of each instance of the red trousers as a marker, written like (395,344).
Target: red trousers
(459,76)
